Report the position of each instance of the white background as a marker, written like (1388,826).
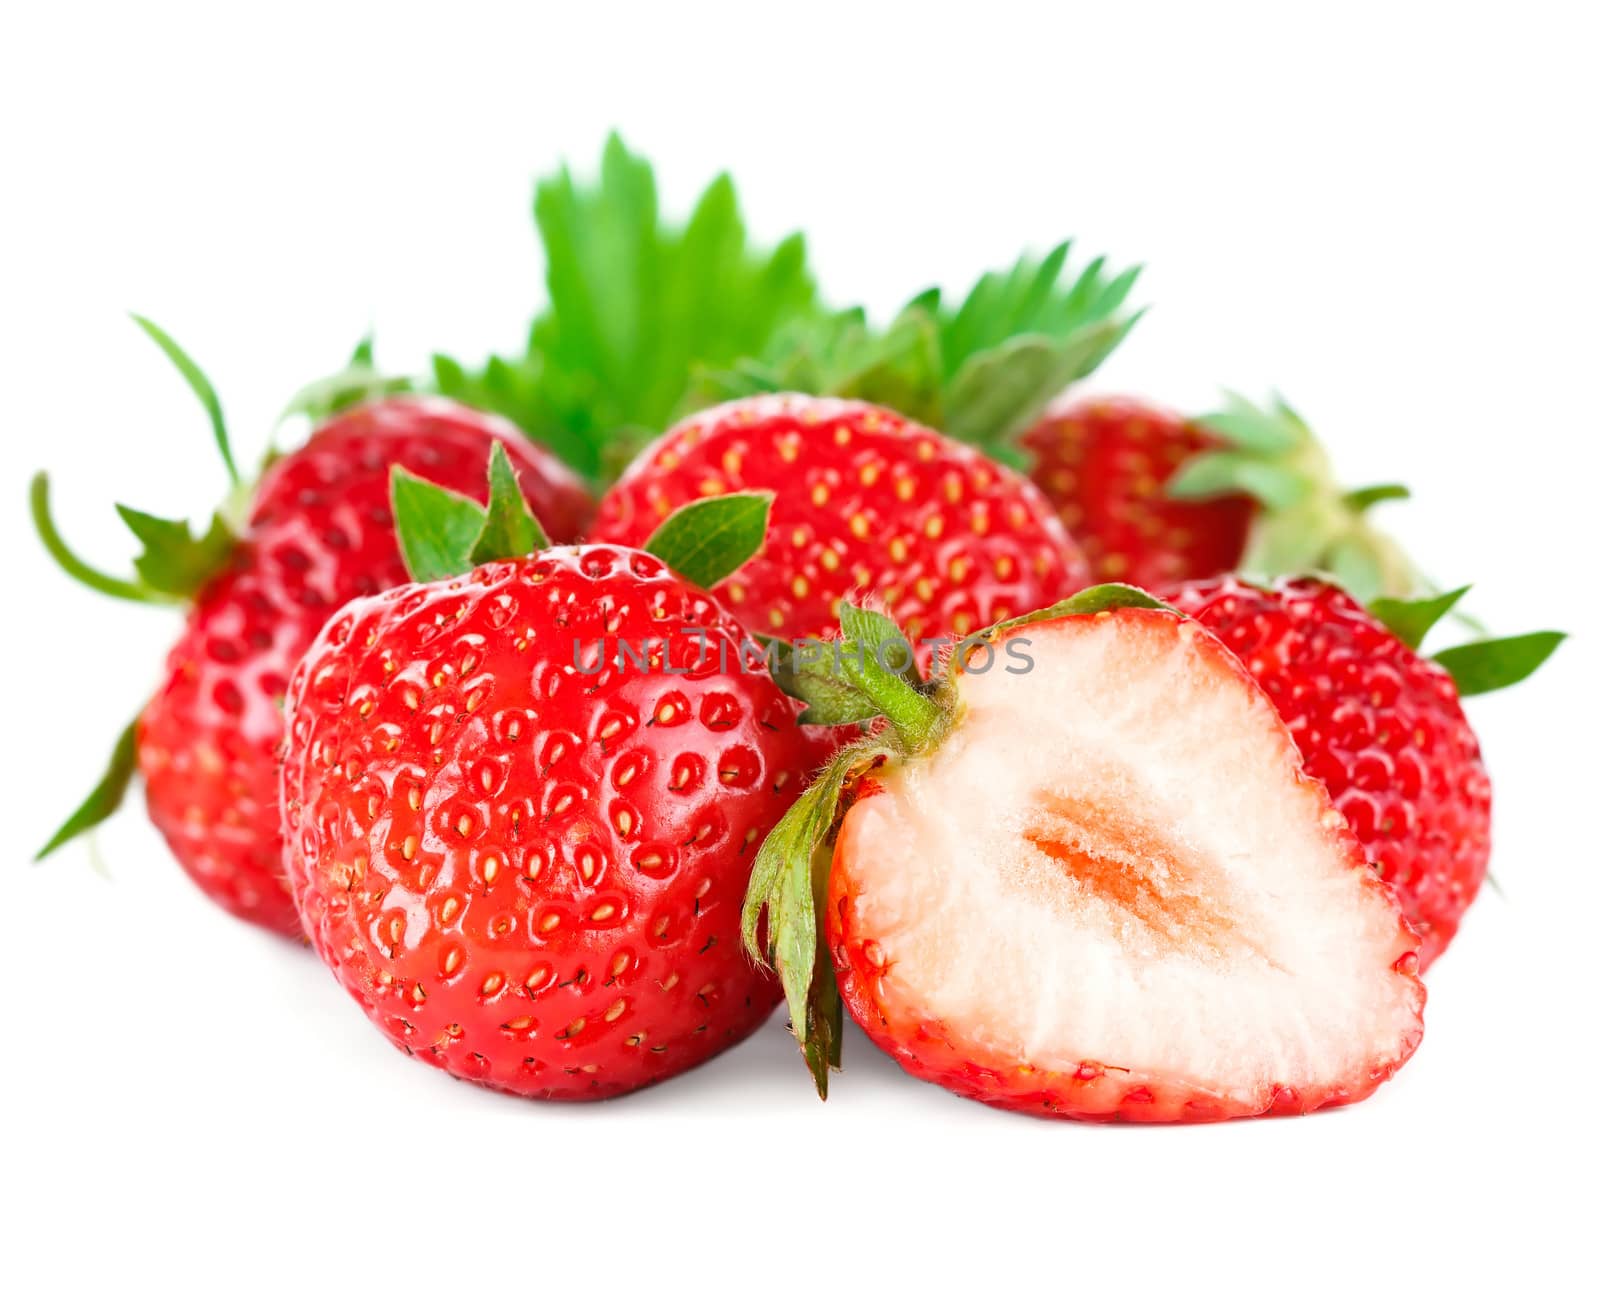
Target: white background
(1389,213)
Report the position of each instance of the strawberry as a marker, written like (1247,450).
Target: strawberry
(1380,725)
(866,500)
(521,807)
(318,533)
(1084,874)
(1155,498)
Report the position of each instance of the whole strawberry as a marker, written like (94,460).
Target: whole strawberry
(866,500)
(319,532)
(1153,497)
(521,808)
(1379,724)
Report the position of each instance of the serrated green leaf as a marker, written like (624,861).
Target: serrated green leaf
(1220,474)
(509,527)
(103,801)
(999,393)
(1410,621)
(708,540)
(174,560)
(436,528)
(1487,666)
(202,387)
(637,308)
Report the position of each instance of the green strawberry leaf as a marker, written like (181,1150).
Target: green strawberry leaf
(102,802)
(202,389)
(437,529)
(509,527)
(1411,620)
(636,306)
(708,540)
(1487,666)
(175,561)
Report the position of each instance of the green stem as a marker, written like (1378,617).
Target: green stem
(918,719)
(82,571)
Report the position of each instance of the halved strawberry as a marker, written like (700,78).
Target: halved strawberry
(1084,874)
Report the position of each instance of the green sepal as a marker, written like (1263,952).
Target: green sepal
(1411,620)
(1243,425)
(1088,601)
(103,801)
(201,386)
(1219,474)
(437,528)
(806,674)
(707,540)
(1487,666)
(174,559)
(788,882)
(981,372)
(358,381)
(509,527)
(1359,499)
(75,566)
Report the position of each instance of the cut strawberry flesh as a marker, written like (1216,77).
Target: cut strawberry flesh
(1115,871)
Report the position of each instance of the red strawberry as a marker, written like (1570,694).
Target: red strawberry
(1105,463)
(1086,876)
(521,852)
(1380,725)
(1155,498)
(318,534)
(866,500)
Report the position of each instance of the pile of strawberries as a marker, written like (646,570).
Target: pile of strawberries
(724,649)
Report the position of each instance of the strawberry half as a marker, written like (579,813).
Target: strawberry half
(1380,724)
(319,532)
(865,501)
(1154,497)
(521,805)
(1084,874)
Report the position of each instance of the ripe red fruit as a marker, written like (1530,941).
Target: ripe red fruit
(1153,497)
(866,501)
(319,533)
(1380,725)
(1099,887)
(1104,463)
(527,875)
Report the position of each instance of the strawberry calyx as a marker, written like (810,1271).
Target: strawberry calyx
(443,534)
(981,370)
(1486,665)
(175,562)
(1305,520)
(868,672)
